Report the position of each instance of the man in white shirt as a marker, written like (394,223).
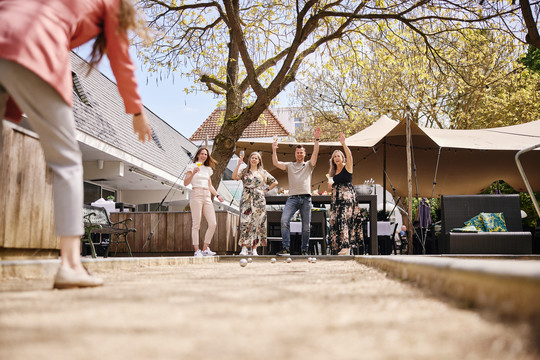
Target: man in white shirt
(299,174)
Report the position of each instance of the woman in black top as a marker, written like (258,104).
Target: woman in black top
(343,199)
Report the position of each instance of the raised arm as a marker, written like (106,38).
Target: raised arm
(240,162)
(348,154)
(275,161)
(317,135)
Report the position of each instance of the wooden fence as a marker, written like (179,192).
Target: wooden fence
(27,213)
(26,200)
(172,233)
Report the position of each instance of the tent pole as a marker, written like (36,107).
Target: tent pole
(409,178)
(384,180)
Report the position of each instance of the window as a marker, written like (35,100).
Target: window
(93,192)
(142,207)
(156,207)
(298,126)
(105,193)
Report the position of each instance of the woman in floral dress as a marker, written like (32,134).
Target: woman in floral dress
(342,206)
(257,182)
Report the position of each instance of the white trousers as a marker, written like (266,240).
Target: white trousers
(201,204)
(52,119)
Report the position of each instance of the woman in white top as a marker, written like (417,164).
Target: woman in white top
(198,175)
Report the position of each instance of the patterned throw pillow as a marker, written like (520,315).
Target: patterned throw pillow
(494,222)
(477,222)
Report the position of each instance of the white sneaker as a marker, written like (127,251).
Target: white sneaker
(198,253)
(254,252)
(244,251)
(208,252)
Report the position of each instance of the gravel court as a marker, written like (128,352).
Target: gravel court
(326,310)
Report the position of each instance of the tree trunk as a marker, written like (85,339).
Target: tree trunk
(228,136)
(532,37)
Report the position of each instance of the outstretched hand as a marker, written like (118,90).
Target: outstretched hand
(342,138)
(317,133)
(142,127)
(274,145)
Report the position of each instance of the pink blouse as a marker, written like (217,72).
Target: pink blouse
(39,34)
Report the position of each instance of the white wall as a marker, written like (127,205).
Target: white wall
(151,196)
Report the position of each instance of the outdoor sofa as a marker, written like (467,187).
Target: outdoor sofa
(457,209)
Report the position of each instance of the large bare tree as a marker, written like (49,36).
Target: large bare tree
(249,51)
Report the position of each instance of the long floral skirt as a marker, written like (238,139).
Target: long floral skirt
(342,216)
(252,218)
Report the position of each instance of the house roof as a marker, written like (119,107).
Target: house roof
(266,126)
(99,112)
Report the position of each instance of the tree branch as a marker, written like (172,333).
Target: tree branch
(212,83)
(263,67)
(293,69)
(236,31)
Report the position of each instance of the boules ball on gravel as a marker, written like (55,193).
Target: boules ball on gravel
(243,262)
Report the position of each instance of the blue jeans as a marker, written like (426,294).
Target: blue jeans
(294,203)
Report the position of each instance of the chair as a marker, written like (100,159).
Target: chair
(318,233)
(96,221)
(456,209)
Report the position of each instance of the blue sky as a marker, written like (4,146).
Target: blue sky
(166,98)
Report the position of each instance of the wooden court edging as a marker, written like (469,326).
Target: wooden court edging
(510,288)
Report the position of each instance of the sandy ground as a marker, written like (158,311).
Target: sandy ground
(327,310)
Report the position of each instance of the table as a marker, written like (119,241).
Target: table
(371,200)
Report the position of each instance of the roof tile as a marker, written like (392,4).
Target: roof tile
(266,126)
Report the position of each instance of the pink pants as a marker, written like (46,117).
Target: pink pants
(200,204)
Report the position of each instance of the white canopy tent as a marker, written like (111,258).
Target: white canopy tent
(445,161)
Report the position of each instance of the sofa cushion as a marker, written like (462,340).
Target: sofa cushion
(477,222)
(494,222)
(467,229)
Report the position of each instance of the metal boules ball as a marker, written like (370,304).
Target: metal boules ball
(250,260)
(243,262)
(309,259)
(289,260)
(313,260)
(273,260)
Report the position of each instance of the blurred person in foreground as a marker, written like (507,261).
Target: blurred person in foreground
(36,37)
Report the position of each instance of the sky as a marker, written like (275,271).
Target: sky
(166,98)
